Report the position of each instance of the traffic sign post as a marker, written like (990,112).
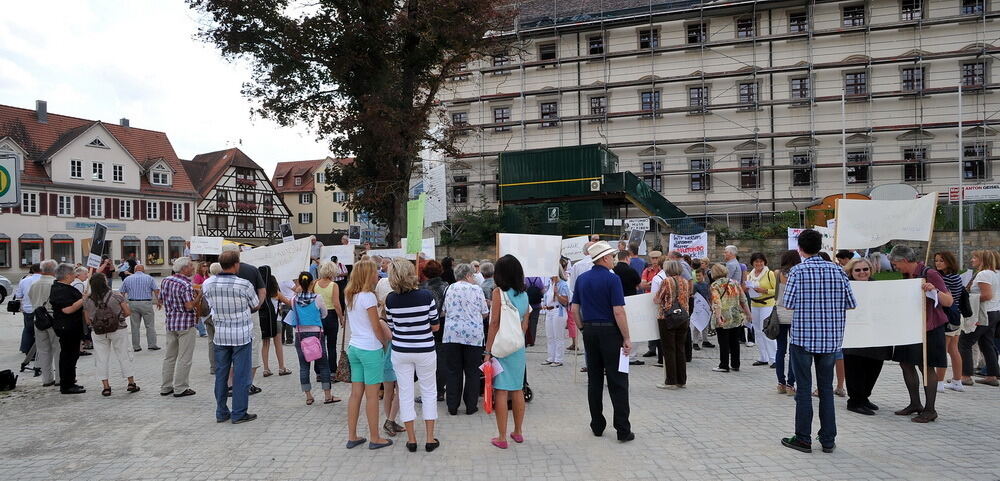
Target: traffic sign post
(10,179)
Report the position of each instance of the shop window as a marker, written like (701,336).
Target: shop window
(31,250)
(154,251)
(175,248)
(4,252)
(63,249)
(131,248)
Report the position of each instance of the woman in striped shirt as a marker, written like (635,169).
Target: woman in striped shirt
(946,263)
(412,314)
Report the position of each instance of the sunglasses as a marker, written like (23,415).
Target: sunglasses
(862,269)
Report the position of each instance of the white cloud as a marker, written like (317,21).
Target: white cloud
(111,59)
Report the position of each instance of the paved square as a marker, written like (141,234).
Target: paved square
(723,426)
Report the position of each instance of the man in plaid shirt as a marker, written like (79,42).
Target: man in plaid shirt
(179,300)
(818,293)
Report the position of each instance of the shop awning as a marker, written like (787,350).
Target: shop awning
(154,238)
(130,238)
(177,238)
(4,238)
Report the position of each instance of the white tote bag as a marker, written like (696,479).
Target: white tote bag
(509,336)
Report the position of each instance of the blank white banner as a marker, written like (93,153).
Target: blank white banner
(641,314)
(862,224)
(889,313)
(539,254)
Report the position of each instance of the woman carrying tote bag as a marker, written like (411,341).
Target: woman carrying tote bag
(508,305)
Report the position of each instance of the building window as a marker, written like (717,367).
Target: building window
(973,7)
(801,88)
(247,223)
(750,172)
(649,38)
(911,10)
(854,16)
(550,114)
(798,22)
(702,180)
(159,178)
(858,167)
(501,115)
(748,93)
(650,102)
(499,60)
(96,207)
(745,27)
(62,249)
(271,224)
(125,209)
(118,173)
(31,251)
(154,251)
(130,248)
(547,51)
(460,193)
(651,175)
(97,171)
(305,198)
(5,252)
(268,203)
(974,74)
(340,197)
(698,98)
(298,180)
(152,211)
(29,203)
(913,79)
(76,169)
(802,177)
(459,120)
(280,182)
(595,44)
(305,218)
(974,161)
(916,169)
(222,200)
(217,222)
(599,105)
(320,178)
(175,249)
(697,33)
(64,205)
(856,83)
(340,217)
(178,211)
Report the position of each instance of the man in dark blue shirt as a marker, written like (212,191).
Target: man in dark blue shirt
(599,310)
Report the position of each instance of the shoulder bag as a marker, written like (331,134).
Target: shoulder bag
(509,338)
(675,316)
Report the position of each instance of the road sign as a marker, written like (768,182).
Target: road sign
(10,179)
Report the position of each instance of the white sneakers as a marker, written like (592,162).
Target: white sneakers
(954,385)
(940,386)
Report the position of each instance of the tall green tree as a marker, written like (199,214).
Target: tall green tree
(363,74)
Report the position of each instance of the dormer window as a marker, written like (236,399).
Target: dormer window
(97,143)
(159,175)
(298,180)
(281,182)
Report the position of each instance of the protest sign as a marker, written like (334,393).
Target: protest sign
(889,313)
(211,246)
(695,245)
(345,254)
(793,238)
(539,254)
(97,245)
(637,224)
(641,313)
(354,235)
(286,260)
(702,313)
(862,224)
(572,248)
(414,224)
(286,232)
(426,246)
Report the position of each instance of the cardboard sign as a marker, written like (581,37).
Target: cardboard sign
(641,312)
(287,260)
(539,254)
(695,245)
(211,246)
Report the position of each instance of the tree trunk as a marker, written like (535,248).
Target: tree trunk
(397,228)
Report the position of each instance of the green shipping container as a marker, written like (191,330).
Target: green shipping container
(570,218)
(553,173)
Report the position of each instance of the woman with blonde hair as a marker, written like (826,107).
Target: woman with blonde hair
(369,335)
(729,313)
(329,291)
(412,315)
(987,285)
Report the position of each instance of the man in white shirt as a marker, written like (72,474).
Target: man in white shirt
(28,333)
(478,276)
(581,266)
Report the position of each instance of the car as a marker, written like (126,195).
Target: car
(5,289)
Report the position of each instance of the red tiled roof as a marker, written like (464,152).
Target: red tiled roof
(41,140)
(287,171)
(205,170)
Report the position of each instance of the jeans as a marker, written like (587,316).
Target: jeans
(779,357)
(237,357)
(330,328)
(28,332)
(983,336)
(802,361)
(462,362)
(322,364)
(603,345)
(729,347)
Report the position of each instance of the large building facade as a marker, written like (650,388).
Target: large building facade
(79,172)
(314,210)
(740,107)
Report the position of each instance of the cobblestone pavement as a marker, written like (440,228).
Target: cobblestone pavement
(723,426)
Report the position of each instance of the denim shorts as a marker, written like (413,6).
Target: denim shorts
(839,355)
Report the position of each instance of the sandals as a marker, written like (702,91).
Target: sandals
(331,400)
(498,443)
(132,387)
(284,372)
(106,392)
(268,373)
(310,401)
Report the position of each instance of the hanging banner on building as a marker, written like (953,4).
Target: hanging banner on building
(414,224)
(863,224)
(97,245)
(975,193)
(286,260)
(344,254)
(538,254)
(889,313)
(695,245)
(435,180)
(211,246)
(572,248)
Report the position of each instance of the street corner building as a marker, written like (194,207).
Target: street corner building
(314,210)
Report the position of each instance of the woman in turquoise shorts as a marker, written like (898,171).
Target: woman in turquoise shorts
(509,278)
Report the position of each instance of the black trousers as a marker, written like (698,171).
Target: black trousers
(861,373)
(688,349)
(729,347)
(674,363)
(529,335)
(462,362)
(603,345)
(69,353)
(330,328)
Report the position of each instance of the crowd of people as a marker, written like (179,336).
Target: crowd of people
(420,332)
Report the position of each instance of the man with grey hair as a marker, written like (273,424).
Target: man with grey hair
(67,322)
(315,248)
(46,341)
(252,274)
(141,291)
(733,265)
(486,269)
(179,300)
(478,276)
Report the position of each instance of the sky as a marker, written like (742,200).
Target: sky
(106,59)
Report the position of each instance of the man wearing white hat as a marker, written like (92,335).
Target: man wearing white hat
(599,311)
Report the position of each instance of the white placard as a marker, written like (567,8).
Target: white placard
(287,260)
(702,313)
(641,312)
(889,313)
(695,245)
(211,246)
(637,224)
(539,254)
(391,253)
(426,246)
(793,238)
(862,224)
(345,254)
(572,248)
(827,234)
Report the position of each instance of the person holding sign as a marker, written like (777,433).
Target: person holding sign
(862,365)
(761,284)
(911,357)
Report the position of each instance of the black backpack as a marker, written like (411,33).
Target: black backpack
(675,316)
(43,319)
(534,293)
(8,381)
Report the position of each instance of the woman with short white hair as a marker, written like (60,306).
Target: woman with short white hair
(462,342)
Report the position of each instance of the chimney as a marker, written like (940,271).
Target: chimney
(42,111)
(123,122)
